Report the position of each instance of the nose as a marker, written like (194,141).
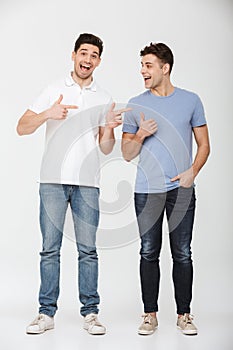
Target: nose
(143,70)
(88,58)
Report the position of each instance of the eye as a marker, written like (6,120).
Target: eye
(93,56)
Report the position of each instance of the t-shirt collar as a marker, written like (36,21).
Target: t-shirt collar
(69,81)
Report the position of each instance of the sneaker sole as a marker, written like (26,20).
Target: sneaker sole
(190,332)
(40,331)
(141,332)
(94,333)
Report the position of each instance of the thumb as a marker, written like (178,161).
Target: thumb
(60,99)
(176,178)
(142,117)
(112,107)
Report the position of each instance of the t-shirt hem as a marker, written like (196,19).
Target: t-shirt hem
(66,182)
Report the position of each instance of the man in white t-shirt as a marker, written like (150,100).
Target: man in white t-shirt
(77,113)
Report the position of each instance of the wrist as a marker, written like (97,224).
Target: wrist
(195,170)
(139,136)
(45,115)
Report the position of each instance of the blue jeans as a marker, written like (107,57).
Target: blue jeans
(179,205)
(84,203)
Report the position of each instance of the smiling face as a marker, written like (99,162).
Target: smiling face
(86,59)
(154,72)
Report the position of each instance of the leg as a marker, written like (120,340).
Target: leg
(180,208)
(150,211)
(53,206)
(85,210)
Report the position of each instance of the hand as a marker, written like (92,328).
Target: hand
(59,111)
(114,118)
(147,127)
(186,178)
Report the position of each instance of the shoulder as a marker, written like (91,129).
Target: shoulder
(190,95)
(138,99)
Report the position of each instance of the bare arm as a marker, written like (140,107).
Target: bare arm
(203,150)
(31,121)
(132,143)
(106,134)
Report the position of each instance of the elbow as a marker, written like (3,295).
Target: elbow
(106,150)
(19,130)
(127,160)
(126,157)
(207,150)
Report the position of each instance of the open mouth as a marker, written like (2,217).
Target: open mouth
(147,79)
(85,67)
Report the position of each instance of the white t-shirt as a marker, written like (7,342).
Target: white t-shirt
(71,153)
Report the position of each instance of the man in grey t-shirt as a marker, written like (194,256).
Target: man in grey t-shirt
(159,129)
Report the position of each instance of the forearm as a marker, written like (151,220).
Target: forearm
(200,158)
(31,122)
(107,140)
(131,148)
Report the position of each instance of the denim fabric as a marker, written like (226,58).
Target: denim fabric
(84,203)
(179,205)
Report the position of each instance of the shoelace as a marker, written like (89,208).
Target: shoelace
(93,321)
(39,318)
(147,318)
(188,318)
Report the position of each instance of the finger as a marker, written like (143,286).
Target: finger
(70,106)
(142,117)
(64,112)
(118,117)
(60,99)
(123,110)
(175,178)
(112,107)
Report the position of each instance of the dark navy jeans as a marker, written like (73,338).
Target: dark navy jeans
(179,205)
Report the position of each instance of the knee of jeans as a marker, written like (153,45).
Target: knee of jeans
(151,255)
(150,251)
(183,256)
(48,253)
(86,251)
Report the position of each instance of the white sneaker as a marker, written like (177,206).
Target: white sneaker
(41,324)
(92,324)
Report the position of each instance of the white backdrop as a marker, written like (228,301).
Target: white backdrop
(36,39)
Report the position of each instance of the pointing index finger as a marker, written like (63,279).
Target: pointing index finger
(123,110)
(70,106)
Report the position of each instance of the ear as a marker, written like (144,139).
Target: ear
(166,68)
(73,55)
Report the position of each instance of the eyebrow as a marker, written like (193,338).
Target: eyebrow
(148,62)
(92,52)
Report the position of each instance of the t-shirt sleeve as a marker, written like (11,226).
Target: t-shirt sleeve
(130,123)
(42,102)
(198,117)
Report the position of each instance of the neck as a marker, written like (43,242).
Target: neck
(163,90)
(82,82)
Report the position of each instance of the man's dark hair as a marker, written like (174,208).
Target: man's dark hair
(160,50)
(87,38)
